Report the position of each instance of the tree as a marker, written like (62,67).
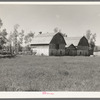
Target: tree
(21,37)
(56,30)
(3,35)
(20,40)
(11,40)
(16,39)
(91,39)
(15,33)
(88,34)
(64,34)
(1,23)
(28,38)
(94,37)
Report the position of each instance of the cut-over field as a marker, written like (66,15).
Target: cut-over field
(40,73)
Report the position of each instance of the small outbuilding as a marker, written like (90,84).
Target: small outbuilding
(96,51)
(71,50)
(71,45)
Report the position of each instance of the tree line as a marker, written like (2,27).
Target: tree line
(15,38)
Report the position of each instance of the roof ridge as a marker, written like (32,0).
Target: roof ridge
(45,35)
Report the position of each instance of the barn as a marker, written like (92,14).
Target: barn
(50,44)
(96,51)
(83,47)
(71,50)
(71,47)
(76,46)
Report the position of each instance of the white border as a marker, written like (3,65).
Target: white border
(59,94)
(55,95)
(51,3)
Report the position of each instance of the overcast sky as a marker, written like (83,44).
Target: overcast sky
(73,20)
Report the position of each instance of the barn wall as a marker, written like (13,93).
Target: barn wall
(57,45)
(82,48)
(41,50)
(57,52)
(70,52)
(83,52)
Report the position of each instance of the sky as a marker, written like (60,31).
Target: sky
(74,20)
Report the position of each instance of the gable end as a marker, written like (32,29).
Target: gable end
(58,39)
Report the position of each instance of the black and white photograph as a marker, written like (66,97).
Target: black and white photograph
(49,47)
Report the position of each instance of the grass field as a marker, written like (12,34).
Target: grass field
(31,73)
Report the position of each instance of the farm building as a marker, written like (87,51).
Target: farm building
(77,46)
(71,47)
(83,47)
(96,51)
(71,50)
(48,44)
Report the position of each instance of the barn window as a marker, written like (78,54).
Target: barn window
(57,46)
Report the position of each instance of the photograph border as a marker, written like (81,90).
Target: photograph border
(50,94)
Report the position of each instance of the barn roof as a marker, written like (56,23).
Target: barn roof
(72,40)
(72,47)
(83,42)
(43,38)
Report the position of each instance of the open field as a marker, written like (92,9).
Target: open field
(31,73)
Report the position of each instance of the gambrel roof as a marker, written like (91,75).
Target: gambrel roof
(47,38)
(72,40)
(72,47)
(83,42)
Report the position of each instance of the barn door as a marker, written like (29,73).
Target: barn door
(61,53)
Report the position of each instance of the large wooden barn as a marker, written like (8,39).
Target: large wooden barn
(49,44)
(77,46)
(83,47)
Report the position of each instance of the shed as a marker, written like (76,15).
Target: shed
(71,50)
(96,51)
